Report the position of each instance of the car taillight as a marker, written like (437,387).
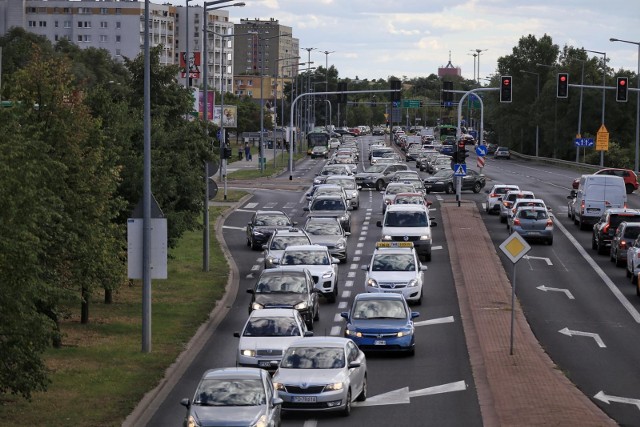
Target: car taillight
(605,229)
(493,195)
(506,204)
(549,223)
(516,221)
(623,244)
(582,206)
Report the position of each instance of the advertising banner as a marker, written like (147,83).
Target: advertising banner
(210,104)
(194,64)
(229,116)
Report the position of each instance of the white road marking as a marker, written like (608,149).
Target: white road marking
(255,268)
(362,238)
(358,252)
(353,267)
(346,294)
(260,259)
(435,248)
(437,321)
(335,331)
(270,205)
(348,283)
(568,332)
(229,227)
(351,274)
(356,258)
(245,210)
(566,291)
(342,305)
(337,318)
(360,245)
(250,205)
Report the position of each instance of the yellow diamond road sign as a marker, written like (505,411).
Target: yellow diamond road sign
(515,247)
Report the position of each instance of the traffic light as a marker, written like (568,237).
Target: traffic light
(342,97)
(226,153)
(421,104)
(396,86)
(506,88)
(461,153)
(563,85)
(447,97)
(622,89)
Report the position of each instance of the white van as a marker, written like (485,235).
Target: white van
(408,223)
(595,194)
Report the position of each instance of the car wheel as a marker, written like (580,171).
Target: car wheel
(379,185)
(347,405)
(612,257)
(254,245)
(550,241)
(629,188)
(594,245)
(477,187)
(619,262)
(248,242)
(581,225)
(363,394)
(419,300)
(427,257)
(449,189)
(316,317)
(601,249)
(628,272)
(503,219)
(412,351)
(310,326)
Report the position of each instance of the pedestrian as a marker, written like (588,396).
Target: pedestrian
(247,152)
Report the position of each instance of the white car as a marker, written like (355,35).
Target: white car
(507,201)
(266,335)
(322,266)
(494,196)
(334,143)
(389,195)
(321,374)
(633,261)
(395,268)
(351,189)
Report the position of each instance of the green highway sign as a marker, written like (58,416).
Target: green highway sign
(410,103)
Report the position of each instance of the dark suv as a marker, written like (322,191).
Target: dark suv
(605,228)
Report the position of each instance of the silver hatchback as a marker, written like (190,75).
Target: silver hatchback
(533,223)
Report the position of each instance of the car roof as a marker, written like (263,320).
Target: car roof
(329,197)
(233,372)
(406,208)
(409,195)
(306,248)
(273,312)
(622,210)
(279,270)
(379,295)
(529,201)
(339,177)
(514,186)
(270,212)
(290,232)
(320,341)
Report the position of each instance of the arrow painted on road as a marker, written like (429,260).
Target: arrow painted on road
(547,260)
(437,321)
(403,395)
(566,291)
(568,332)
(608,399)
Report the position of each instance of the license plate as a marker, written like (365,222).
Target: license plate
(533,233)
(379,342)
(264,363)
(304,399)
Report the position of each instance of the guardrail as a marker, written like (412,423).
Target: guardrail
(586,167)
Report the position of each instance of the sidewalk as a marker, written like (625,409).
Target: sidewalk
(525,388)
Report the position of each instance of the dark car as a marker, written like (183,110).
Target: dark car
(605,228)
(233,396)
(443,181)
(262,226)
(286,287)
(381,322)
(629,176)
(333,207)
(320,151)
(625,236)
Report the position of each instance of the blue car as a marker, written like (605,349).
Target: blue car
(447,149)
(381,322)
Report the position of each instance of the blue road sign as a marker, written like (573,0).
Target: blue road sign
(219,133)
(460,169)
(396,103)
(481,150)
(583,142)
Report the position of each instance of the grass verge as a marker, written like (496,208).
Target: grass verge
(100,373)
(282,164)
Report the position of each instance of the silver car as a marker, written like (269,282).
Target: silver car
(233,396)
(322,266)
(533,223)
(328,232)
(322,374)
(266,335)
(351,189)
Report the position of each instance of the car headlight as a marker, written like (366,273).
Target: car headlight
(425,237)
(257,306)
(351,333)
(257,233)
(343,218)
(405,333)
(412,283)
(372,283)
(270,260)
(386,237)
(191,422)
(279,386)
(301,305)
(334,386)
(327,274)
(262,422)
(340,245)
(248,353)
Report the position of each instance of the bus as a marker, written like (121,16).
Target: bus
(317,139)
(445,132)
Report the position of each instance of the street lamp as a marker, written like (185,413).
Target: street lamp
(635,164)
(275,103)
(475,55)
(604,91)
(479,51)
(308,101)
(555,109)
(537,95)
(326,88)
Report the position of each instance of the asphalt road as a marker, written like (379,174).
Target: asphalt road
(578,293)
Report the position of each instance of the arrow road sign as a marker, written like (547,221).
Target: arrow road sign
(403,395)
(568,332)
(481,150)
(606,398)
(459,169)
(566,291)
(583,142)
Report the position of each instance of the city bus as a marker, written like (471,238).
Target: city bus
(441,133)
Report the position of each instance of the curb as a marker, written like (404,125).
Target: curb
(150,402)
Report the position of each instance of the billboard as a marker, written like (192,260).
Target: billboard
(210,103)
(194,65)
(230,116)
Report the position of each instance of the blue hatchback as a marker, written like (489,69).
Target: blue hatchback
(381,322)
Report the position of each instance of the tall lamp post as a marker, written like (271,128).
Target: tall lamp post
(275,104)
(326,87)
(537,95)
(205,231)
(308,101)
(479,51)
(637,158)
(604,91)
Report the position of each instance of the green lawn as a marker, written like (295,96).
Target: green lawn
(100,373)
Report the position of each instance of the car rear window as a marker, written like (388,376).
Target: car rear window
(631,232)
(615,220)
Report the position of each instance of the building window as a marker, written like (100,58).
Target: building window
(249,82)
(118,39)
(67,24)
(42,23)
(250,93)
(55,24)
(103,38)
(31,24)
(66,10)
(118,11)
(104,24)
(118,24)
(118,53)
(31,10)
(55,37)
(104,11)
(79,38)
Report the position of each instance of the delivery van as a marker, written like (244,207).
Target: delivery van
(595,194)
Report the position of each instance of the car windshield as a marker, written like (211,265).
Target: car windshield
(617,219)
(313,358)
(333,171)
(379,309)
(406,219)
(330,191)
(230,392)
(280,243)
(328,205)
(271,220)
(393,262)
(631,232)
(323,229)
(282,284)
(409,200)
(405,188)
(305,258)
(272,327)
(502,190)
(376,169)
(348,184)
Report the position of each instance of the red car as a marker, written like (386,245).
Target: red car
(629,176)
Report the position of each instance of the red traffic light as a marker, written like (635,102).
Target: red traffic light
(563,78)
(623,83)
(506,81)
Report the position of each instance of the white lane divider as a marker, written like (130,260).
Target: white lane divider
(353,267)
(356,258)
(255,267)
(230,227)
(348,283)
(342,305)
(250,205)
(360,245)
(335,331)
(346,294)
(358,252)
(337,318)
(351,274)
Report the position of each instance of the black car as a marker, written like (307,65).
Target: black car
(443,181)
(605,228)
(333,207)
(286,287)
(262,226)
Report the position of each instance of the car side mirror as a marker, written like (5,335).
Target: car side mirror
(486,191)
(364,267)
(185,402)
(344,315)
(236,334)
(379,224)
(423,267)
(415,314)
(251,291)
(265,247)
(354,365)
(347,233)
(335,261)
(308,333)
(306,209)
(433,223)
(277,401)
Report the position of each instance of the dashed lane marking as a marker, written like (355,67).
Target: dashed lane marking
(229,227)
(255,267)
(346,294)
(348,283)
(342,305)
(335,331)
(250,205)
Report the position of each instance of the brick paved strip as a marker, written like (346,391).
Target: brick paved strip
(525,388)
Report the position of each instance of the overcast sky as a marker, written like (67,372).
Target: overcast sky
(378,38)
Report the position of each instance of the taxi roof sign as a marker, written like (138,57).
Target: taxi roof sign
(394,244)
